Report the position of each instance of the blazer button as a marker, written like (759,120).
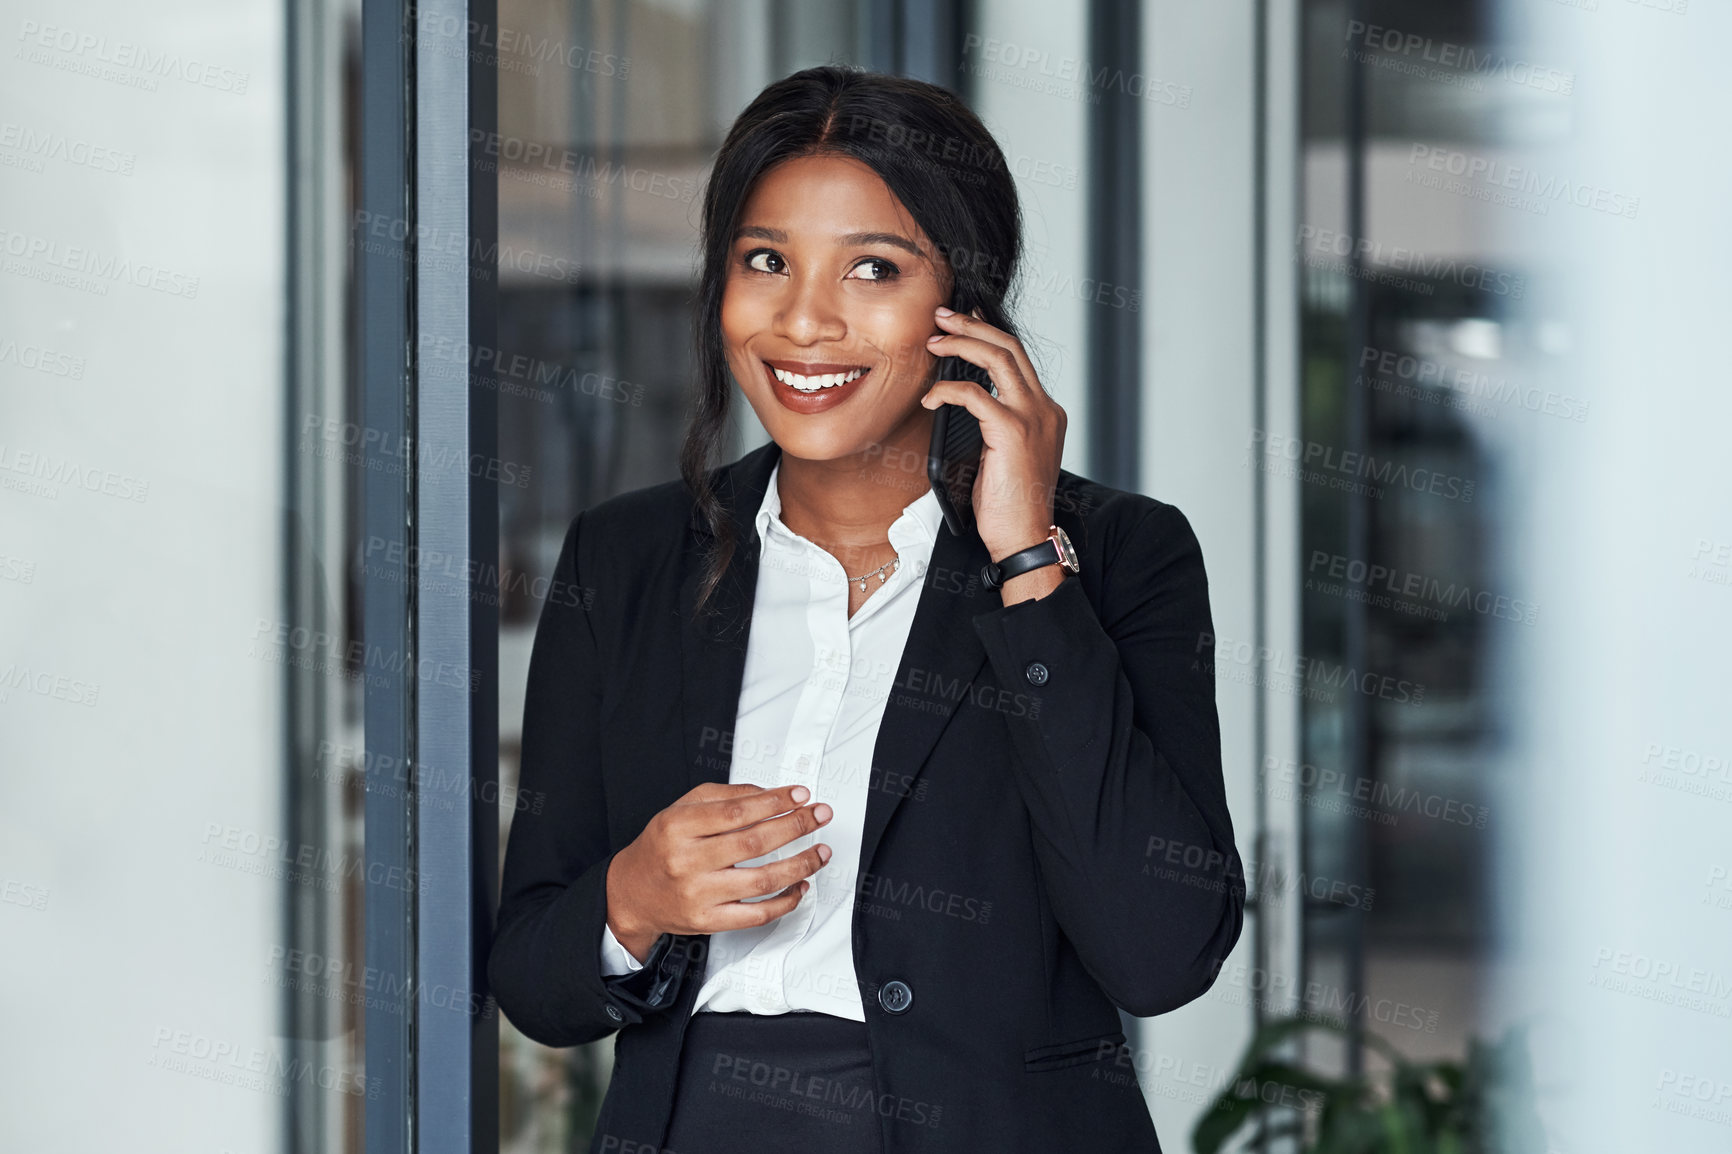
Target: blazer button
(613,1012)
(895,997)
(1036,673)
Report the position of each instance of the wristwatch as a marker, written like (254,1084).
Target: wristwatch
(1055,550)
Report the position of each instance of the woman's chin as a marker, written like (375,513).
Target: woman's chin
(801,445)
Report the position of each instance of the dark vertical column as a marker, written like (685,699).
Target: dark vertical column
(1358,434)
(485,585)
(456,576)
(1115,251)
(1260,935)
(311,509)
(879,20)
(918,38)
(929,34)
(1115,241)
(384,249)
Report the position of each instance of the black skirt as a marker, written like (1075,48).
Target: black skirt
(774,1084)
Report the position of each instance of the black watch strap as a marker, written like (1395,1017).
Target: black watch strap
(1020,562)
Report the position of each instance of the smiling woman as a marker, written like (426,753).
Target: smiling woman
(844,210)
(829,299)
(819,319)
(786,647)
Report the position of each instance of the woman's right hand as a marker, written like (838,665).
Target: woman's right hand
(680,877)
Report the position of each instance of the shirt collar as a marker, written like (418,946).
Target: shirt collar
(918,524)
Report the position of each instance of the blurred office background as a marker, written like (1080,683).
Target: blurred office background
(1410,306)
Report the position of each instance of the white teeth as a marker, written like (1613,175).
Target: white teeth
(813,384)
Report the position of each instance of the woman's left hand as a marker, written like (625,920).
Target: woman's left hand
(1022,427)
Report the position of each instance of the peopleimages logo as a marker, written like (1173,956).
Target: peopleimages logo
(1327,248)
(505,42)
(41,473)
(584,166)
(1353,471)
(42,360)
(80,261)
(1501,175)
(1386,586)
(1042,65)
(1384,46)
(1334,791)
(90,50)
(1311,676)
(40,146)
(1395,365)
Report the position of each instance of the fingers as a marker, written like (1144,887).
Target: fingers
(692,883)
(972,339)
(989,410)
(744,915)
(732,885)
(713,808)
(727,849)
(999,362)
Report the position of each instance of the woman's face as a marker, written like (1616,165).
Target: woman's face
(830,296)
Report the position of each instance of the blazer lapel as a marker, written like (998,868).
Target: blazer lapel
(713,651)
(938,668)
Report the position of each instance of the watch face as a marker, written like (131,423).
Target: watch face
(1066,550)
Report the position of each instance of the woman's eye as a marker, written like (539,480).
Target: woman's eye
(763,260)
(877,269)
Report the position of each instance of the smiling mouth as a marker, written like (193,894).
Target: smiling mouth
(819,381)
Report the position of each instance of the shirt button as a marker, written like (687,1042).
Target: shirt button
(613,1012)
(895,997)
(1036,673)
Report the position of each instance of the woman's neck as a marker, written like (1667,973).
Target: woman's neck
(846,506)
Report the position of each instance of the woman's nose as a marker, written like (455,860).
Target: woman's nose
(810,314)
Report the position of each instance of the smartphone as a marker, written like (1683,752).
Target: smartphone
(953,459)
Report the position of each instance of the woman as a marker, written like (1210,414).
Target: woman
(858,838)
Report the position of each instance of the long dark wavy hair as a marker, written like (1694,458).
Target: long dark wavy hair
(928,147)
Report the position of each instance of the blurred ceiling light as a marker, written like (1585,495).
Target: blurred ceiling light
(1477,338)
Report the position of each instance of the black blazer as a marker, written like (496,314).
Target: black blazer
(1046,836)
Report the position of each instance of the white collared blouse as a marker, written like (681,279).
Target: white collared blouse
(812,698)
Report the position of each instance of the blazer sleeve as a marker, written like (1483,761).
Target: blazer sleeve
(545,966)
(1120,766)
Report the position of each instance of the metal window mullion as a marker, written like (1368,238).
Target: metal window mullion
(383,243)
(1359,764)
(456,588)
(1115,246)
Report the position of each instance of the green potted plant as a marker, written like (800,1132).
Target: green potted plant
(1482,1105)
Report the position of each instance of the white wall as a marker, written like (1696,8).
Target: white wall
(1018,53)
(1620,912)
(1199,410)
(141,574)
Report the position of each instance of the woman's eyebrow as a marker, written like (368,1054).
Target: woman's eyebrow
(889,238)
(850,240)
(761,233)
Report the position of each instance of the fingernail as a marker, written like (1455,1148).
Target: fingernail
(801,793)
(824,853)
(936,337)
(944,312)
(822,812)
